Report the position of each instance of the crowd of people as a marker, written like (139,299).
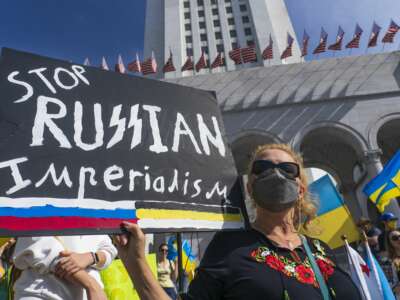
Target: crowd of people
(270,260)
(385,245)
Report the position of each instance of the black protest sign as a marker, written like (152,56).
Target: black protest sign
(82,149)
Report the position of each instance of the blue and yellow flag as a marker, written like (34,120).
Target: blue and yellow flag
(333,216)
(386,185)
(189,262)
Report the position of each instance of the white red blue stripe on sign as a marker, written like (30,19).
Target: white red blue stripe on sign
(14,215)
(52,211)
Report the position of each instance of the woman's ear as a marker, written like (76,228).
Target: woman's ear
(302,189)
(248,187)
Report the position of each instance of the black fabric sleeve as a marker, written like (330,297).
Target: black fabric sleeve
(208,283)
(204,287)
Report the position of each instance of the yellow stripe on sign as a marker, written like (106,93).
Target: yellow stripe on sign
(163,214)
(386,197)
(333,225)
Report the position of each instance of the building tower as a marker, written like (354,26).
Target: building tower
(188,27)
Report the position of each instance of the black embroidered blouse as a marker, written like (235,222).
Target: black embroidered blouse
(246,265)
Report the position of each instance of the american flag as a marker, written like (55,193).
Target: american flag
(236,56)
(201,63)
(86,62)
(149,66)
(119,66)
(104,64)
(322,42)
(288,51)
(391,32)
(373,39)
(355,42)
(169,65)
(249,54)
(304,49)
(337,45)
(268,52)
(188,65)
(135,66)
(218,61)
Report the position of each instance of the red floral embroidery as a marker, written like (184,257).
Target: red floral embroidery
(274,263)
(301,270)
(326,268)
(305,275)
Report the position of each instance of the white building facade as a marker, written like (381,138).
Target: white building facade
(188,27)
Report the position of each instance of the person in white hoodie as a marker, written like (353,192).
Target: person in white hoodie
(49,265)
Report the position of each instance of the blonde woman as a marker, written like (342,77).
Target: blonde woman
(272,260)
(166,271)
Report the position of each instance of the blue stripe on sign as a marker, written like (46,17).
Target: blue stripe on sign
(52,211)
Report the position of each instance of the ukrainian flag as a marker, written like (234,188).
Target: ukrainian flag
(189,262)
(386,185)
(333,217)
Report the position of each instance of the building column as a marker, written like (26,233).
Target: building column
(174,35)
(374,167)
(350,197)
(230,66)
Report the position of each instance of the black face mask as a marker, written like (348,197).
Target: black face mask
(275,192)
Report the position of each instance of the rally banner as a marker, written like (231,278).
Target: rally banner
(82,149)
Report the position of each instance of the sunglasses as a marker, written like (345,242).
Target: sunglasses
(289,169)
(163,250)
(395,238)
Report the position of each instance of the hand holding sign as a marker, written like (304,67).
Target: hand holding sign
(131,251)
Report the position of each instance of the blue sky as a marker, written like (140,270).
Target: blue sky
(75,29)
(312,14)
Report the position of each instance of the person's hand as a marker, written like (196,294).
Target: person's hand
(131,250)
(131,247)
(72,262)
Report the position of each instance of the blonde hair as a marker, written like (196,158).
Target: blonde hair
(304,205)
(391,250)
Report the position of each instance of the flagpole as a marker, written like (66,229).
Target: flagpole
(180,269)
(194,66)
(363,236)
